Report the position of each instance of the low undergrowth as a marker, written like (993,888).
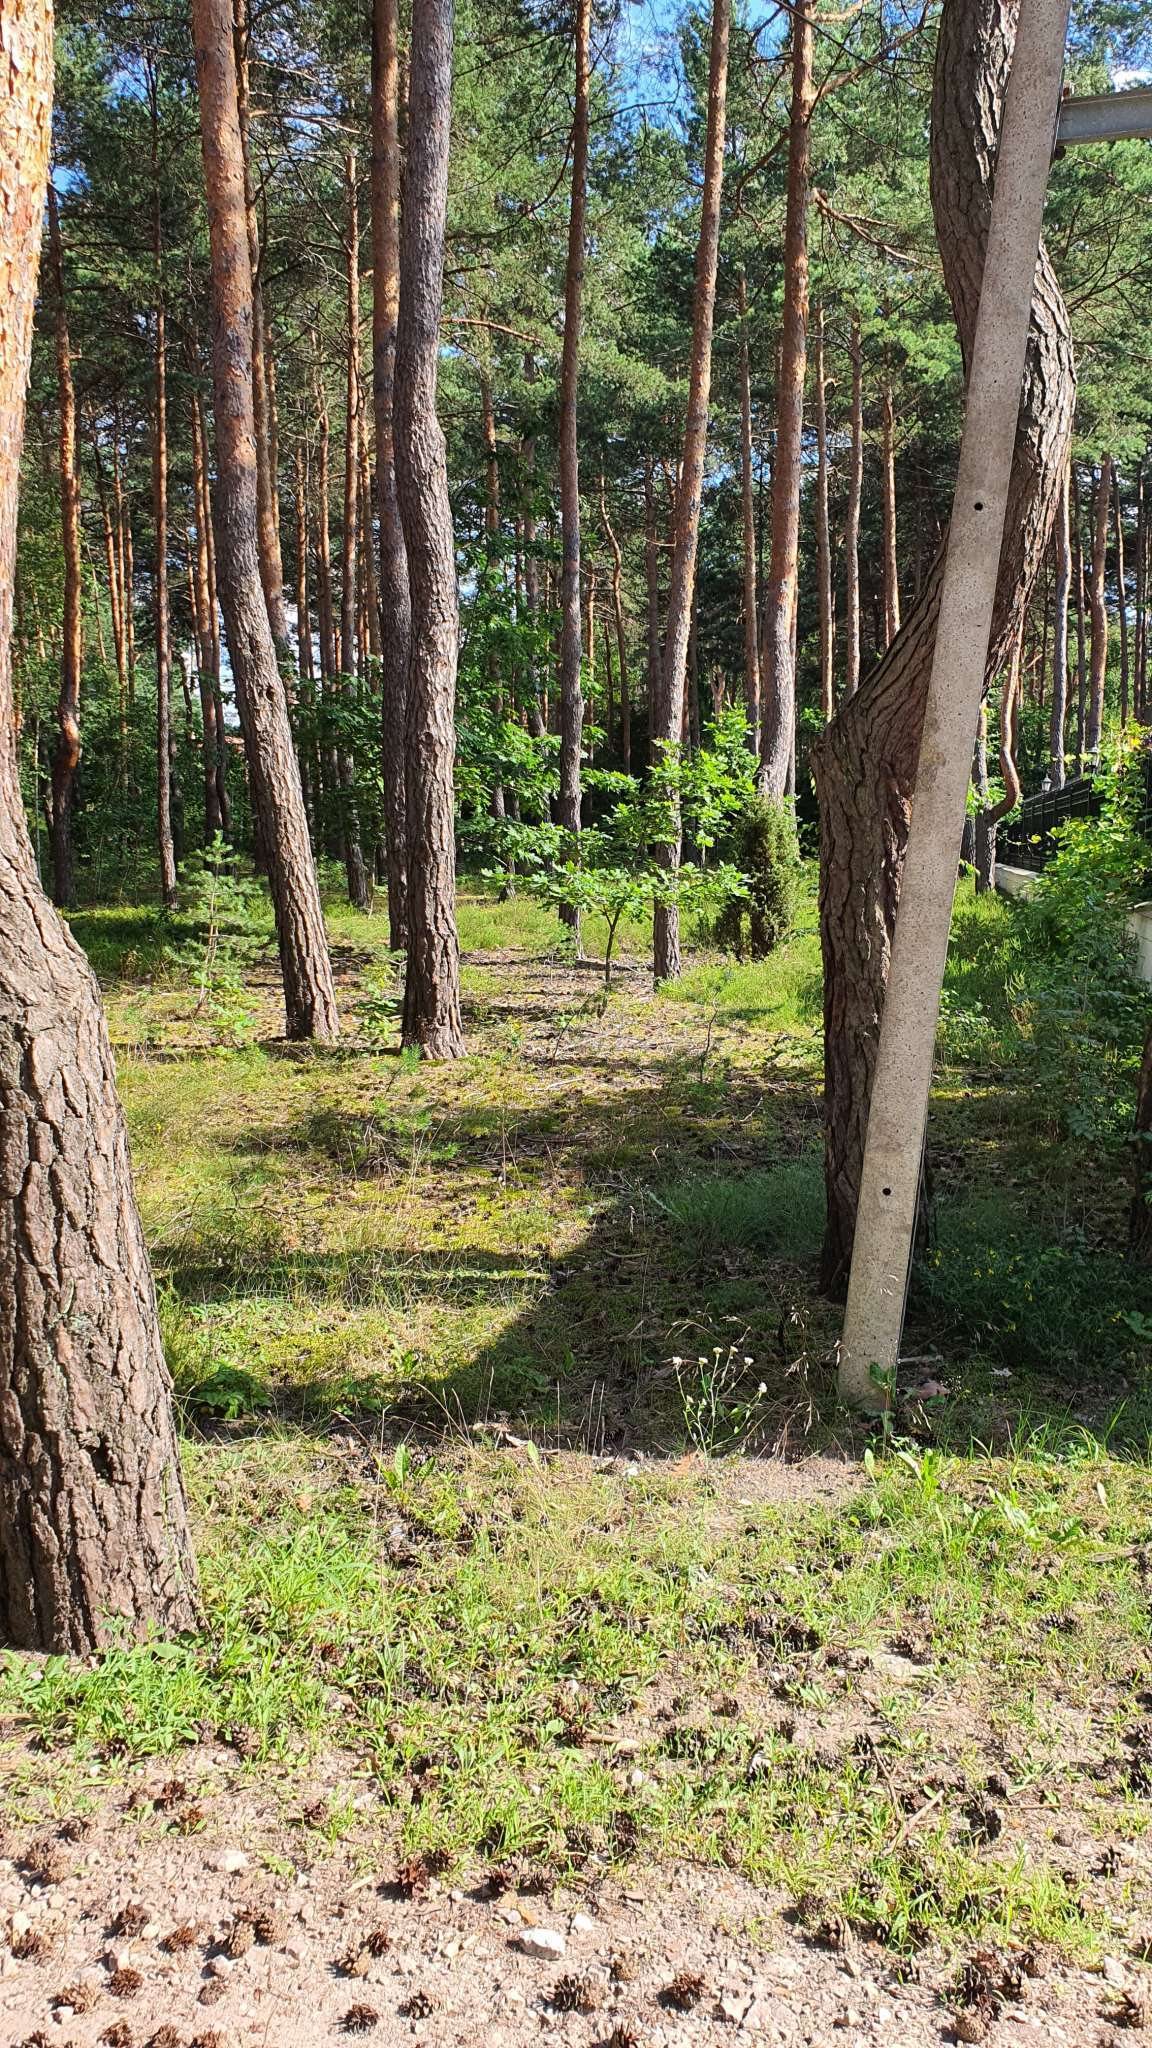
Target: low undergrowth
(883,1706)
(892,1702)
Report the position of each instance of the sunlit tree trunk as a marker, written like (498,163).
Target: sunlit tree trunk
(866,760)
(621,633)
(309,990)
(779,666)
(652,593)
(824,534)
(1099,612)
(1059,706)
(432,1018)
(888,473)
(571,694)
(852,523)
(748,509)
(395,600)
(1121,601)
(162,622)
(94,1539)
(355,868)
(989,818)
(668,718)
(207,641)
(267,501)
(116,609)
(66,758)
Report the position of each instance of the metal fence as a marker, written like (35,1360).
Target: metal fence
(1027,841)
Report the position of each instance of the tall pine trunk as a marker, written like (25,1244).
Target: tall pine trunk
(395,602)
(866,760)
(621,635)
(669,721)
(162,618)
(263,410)
(748,524)
(309,990)
(66,757)
(852,521)
(571,695)
(94,1538)
(1121,601)
(1098,672)
(207,642)
(432,1019)
(779,665)
(891,557)
(824,534)
(355,869)
(1058,713)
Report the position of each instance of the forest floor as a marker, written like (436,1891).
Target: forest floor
(569,1666)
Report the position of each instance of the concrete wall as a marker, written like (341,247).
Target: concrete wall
(1022,882)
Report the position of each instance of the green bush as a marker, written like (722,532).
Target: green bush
(761,842)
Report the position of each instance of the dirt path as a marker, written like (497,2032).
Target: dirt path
(127,1936)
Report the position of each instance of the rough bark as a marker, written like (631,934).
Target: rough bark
(1058,712)
(1098,671)
(432,983)
(748,509)
(267,496)
(668,719)
(571,696)
(823,534)
(94,1539)
(866,760)
(66,757)
(779,666)
(309,990)
(852,523)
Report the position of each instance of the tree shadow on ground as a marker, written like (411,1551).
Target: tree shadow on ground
(686,1315)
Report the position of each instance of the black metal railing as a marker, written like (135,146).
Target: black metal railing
(1027,839)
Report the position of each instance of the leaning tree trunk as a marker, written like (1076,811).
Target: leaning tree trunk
(667,717)
(274,773)
(395,601)
(94,1539)
(66,759)
(866,761)
(432,982)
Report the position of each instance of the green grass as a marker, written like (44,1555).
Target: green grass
(657,1658)
(577,1668)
